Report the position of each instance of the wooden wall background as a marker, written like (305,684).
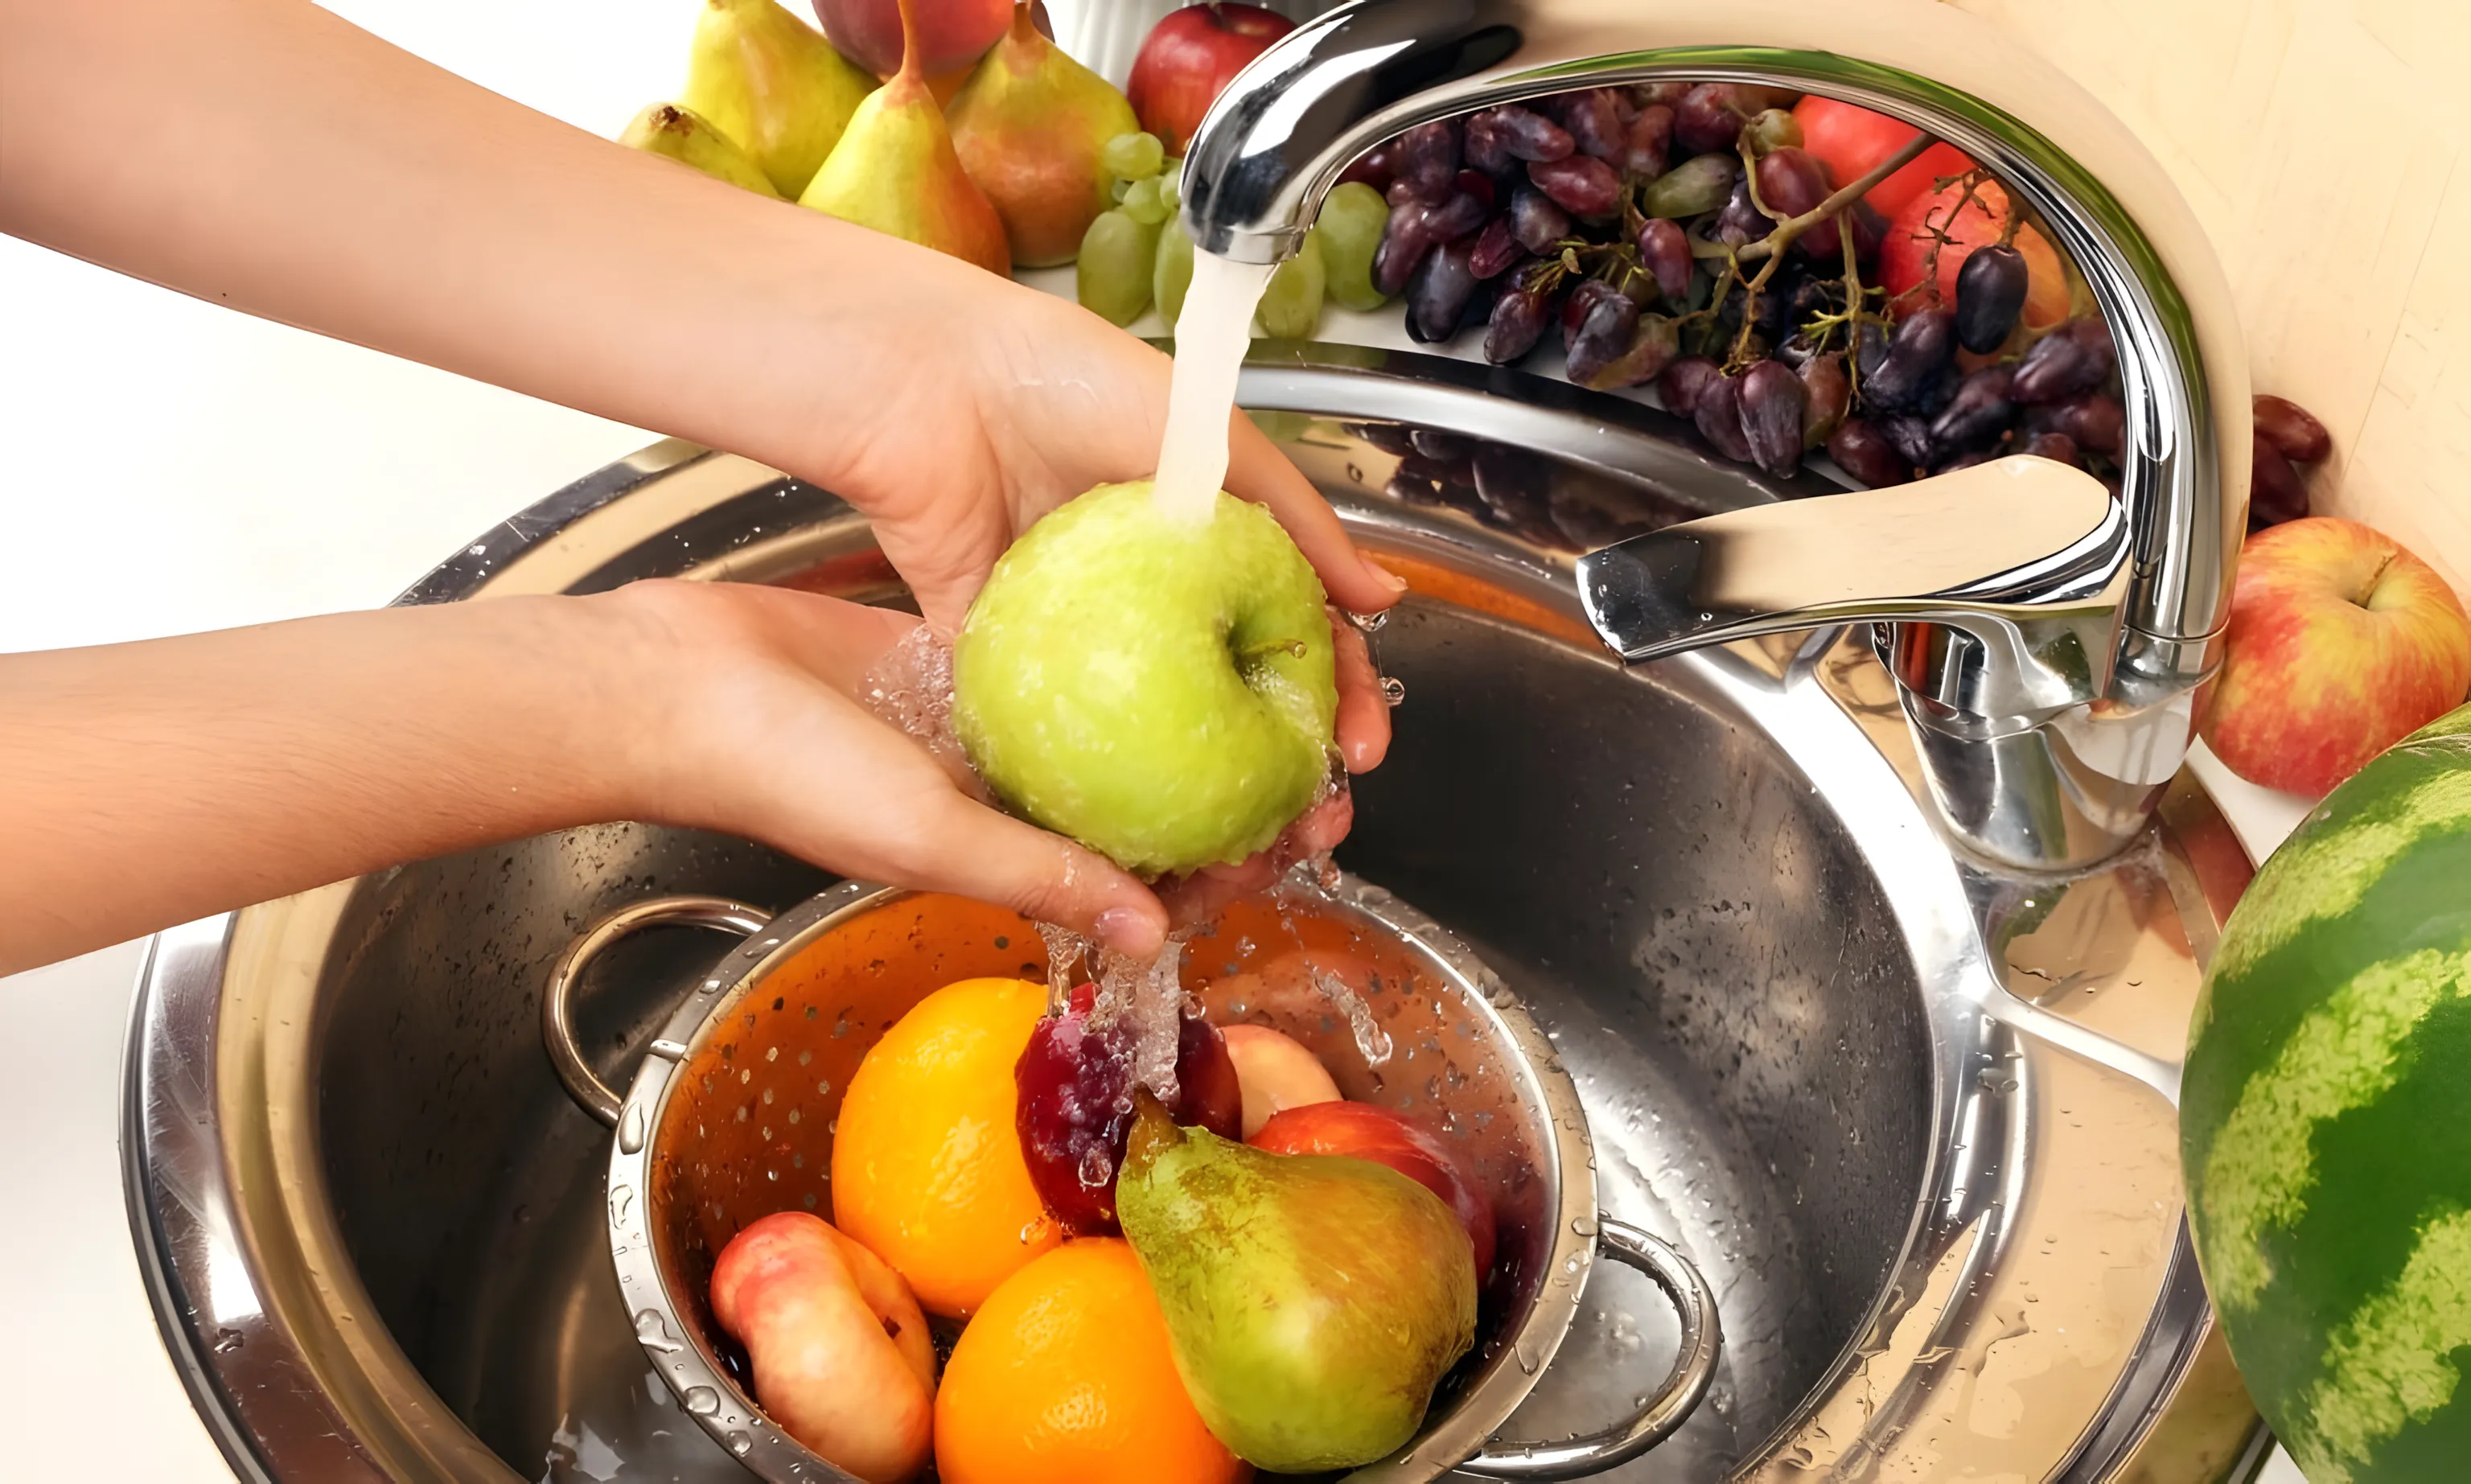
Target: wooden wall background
(2321,143)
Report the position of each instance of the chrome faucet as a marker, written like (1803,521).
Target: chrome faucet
(2049,642)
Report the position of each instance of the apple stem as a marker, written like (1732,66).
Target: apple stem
(1293,646)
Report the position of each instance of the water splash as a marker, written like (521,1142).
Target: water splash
(1371,1042)
(910,686)
(1066,952)
(1145,994)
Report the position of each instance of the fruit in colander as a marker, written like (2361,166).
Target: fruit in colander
(841,1356)
(1313,1301)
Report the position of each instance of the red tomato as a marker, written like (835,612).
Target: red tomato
(1905,256)
(1852,140)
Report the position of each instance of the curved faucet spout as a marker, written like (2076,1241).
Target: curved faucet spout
(2028,557)
(1288,125)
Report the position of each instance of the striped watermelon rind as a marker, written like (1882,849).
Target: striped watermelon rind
(2325,1123)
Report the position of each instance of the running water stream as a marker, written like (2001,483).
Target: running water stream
(1211,334)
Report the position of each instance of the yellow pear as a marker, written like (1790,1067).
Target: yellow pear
(774,85)
(894,170)
(1028,127)
(684,136)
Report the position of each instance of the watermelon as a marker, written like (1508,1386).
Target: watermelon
(2325,1123)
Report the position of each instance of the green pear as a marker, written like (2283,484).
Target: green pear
(1157,687)
(684,136)
(1028,127)
(894,170)
(774,85)
(1313,1301)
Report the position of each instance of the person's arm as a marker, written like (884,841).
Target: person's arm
(149,784)
(267,155)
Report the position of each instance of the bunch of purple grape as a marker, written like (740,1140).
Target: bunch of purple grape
(1678,235)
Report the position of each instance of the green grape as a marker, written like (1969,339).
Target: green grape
(1142,203)
(1170,187)
(1174,272)
(1291,305)
(1133,157)
(1774,129)
(1353,218)
(1118,256)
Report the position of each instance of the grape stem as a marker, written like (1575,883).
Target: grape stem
(1791,228)
(1773,246)
(1944,236)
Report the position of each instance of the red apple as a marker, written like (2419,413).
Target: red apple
(2341,642)
(1852,139)
(951,34)
(1906,257)
(1365,1132)
(1188,58)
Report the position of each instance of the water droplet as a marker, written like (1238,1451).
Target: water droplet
(227,1340)
(1584,1226)
(630,1129)
(1098,1168)
(704,1401)
(741,1444)
(622,1201)
(653,1332)
(1369,623)
(1526,1358)
(1394,691)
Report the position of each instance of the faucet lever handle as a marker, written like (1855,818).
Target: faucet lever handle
(2014,538)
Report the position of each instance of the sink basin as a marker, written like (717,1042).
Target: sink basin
(1902,1111)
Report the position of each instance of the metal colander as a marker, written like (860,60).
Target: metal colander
(731,1115)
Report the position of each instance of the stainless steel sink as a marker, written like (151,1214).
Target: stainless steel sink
(1910,1116)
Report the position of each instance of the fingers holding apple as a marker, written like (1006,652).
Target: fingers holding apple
(2341,643)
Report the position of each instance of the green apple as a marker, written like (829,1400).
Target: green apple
(1158,689)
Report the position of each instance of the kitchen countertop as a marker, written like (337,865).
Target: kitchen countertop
(243,471)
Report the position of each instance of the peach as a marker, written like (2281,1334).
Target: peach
(842,1358)
(1275,1073)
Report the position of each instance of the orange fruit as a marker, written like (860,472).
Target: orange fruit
(926,1168)
(1065,1377)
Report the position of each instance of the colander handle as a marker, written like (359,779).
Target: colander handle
(557,1022)
(1667,1407)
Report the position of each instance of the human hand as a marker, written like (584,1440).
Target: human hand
(1027,401)
(772,739)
